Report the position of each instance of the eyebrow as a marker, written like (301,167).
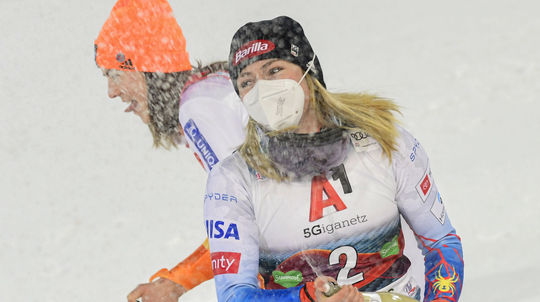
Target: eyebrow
(244,74)
(269,63)
(247,73)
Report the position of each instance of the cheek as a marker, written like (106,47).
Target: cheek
(143,106)
(145,117)
(306,92)
(242,92)
(139,91)
(143,112)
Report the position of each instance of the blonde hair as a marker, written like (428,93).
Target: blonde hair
(369,113)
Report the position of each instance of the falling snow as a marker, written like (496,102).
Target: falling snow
(89,209)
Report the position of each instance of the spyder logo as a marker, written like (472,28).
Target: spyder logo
(445,285)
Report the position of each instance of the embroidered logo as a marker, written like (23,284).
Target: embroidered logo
(225,262)
(288,279)
(320,186)
(445,285)
(424,186)
(294,50)
(438,209)
(252,49)
(360,140)
(199,141)
(221,230)
(390,248)
(124,64)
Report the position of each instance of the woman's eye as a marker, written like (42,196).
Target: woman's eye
(275,70)
(245,83)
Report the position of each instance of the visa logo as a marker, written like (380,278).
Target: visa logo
(218,229)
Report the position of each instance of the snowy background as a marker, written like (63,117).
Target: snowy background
(89,209)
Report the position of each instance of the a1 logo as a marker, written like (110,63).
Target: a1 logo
(319,186)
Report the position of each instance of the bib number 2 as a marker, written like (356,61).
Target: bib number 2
(350,263)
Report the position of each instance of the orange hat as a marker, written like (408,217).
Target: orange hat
(142,35)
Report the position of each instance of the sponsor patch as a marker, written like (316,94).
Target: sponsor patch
(446,284)
(124,63)
(288,279)
(205,151)
(330,228)
(320,186)
(438,209)
(225,262)
(252,49)
(415,148)
(360,140)
(221,196)
(127,65)
(412,289)
(390,248)
(424,186)
(218,229)
(294,50)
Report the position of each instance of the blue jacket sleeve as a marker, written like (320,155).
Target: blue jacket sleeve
(421,204)
(444,267)
(245,294)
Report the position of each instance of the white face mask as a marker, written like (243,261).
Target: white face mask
(276,104)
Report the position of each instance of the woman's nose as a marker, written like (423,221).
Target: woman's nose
(112,89)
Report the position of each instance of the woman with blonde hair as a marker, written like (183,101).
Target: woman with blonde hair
(316,191)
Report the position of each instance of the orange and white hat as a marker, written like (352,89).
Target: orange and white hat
(142,35)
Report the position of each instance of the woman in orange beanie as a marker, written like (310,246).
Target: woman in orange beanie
(142,53)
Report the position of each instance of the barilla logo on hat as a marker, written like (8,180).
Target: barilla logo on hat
(252,49)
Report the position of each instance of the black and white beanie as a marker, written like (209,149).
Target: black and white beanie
(281,38)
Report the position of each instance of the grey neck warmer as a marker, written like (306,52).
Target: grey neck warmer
(300,155)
